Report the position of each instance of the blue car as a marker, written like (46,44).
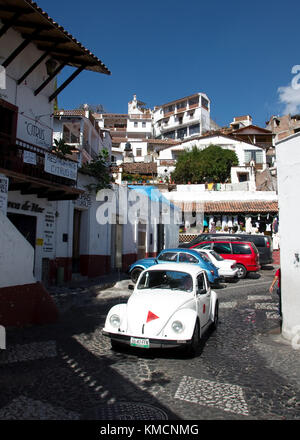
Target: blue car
(177,255)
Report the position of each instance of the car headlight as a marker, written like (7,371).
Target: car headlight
(114,320)
(177,326)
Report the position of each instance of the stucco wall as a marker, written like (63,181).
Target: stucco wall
(288,174)
(16,256)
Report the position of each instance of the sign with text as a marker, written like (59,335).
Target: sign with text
(29,157)
(34,131)
(3,193)
(60,167)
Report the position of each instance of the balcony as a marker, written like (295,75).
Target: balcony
(31,178)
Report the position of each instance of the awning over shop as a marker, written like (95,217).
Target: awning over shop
(254,206)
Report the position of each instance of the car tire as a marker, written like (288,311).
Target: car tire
(216,317)
(135,273)
(115,345)
(195,342)
(242,271)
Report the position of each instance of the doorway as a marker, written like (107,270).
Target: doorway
(116,245)
(26,225)
(141,241)
(76,241)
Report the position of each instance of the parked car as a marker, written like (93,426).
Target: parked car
(245,253)
(171,305)
(263,243)
(227,268)
(175,256)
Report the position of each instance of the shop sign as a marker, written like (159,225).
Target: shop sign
(26,206)
(31,130)
(29,157)
(49,229)
(84,200)
(60,167)
(3,193)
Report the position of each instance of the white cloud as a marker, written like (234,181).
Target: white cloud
(290,97)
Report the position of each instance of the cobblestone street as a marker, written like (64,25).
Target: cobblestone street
(68,371)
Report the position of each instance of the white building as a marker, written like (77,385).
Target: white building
(288,175)
(247,153)
(182,118)
(33,241)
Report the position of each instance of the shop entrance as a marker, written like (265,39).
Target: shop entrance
(116,245)
(76,241)
(26,225)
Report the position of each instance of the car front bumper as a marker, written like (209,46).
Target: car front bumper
(153,342)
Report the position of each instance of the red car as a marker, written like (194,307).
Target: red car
(244,252)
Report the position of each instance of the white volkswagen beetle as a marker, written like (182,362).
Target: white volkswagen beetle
(171,305)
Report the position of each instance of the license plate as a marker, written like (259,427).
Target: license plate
(139,342)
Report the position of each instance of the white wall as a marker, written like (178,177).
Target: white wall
(288,175)
(34,118)
(16,256)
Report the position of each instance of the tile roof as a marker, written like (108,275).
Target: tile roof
(242,206)
(138,167)
(51,36)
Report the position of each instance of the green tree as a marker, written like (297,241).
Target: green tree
(99,169)
(212,164)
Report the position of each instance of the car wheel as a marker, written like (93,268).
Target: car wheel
(135,274)
(242,271)
(216,316)
(195,342)
(115,345)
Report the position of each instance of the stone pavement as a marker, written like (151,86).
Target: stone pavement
(67,370)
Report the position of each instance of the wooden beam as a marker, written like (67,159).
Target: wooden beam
(33,67)
(8,24)
(50,77)
(19,49)
(67,82)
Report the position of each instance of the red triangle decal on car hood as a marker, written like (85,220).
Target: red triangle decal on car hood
(151,316)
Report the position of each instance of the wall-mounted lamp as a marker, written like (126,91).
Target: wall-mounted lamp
(51,65)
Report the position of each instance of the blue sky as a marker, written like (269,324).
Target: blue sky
(167,49)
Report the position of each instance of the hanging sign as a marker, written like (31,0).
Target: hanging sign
(60,167)
(3,193)
(29,157)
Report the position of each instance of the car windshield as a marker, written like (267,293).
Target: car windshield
(166,279)
(217,256)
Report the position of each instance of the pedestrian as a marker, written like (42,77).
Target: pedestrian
(277,279)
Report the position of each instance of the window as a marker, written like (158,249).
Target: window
(8,118)
(143,124)
(204,246)
(168,256)
(204,257)
(194,101)
(181,105)
(255,155)
(162,279)
(242,249)
(181,133)
(204,102)
(201,284)
(222,248)
(138,152)
(187,258)
(194,129)
(135,124)
(170,135)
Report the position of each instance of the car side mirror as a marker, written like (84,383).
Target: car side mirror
(130,287)
(202,291)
